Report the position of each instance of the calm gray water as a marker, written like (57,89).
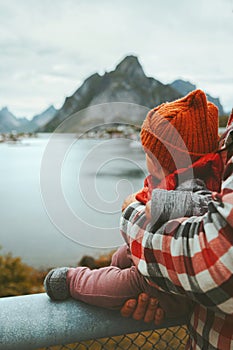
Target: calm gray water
(81,214)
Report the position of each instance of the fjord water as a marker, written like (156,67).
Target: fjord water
(96,175)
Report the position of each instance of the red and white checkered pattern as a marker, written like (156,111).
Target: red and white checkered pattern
(192,257)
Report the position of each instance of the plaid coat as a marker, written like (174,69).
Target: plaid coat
(192,257)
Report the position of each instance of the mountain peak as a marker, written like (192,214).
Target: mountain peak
(130,65)
(184,87)
(127,83)
(128,61)
(44,117)
(50,108)
(5,109)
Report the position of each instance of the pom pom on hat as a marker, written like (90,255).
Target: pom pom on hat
(178,133)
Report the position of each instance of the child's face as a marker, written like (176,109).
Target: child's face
(154,168)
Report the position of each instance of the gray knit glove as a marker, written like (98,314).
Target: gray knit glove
(55,284)
(189,199)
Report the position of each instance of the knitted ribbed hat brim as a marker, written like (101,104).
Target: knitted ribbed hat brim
(181,131)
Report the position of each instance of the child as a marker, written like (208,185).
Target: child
(190,121)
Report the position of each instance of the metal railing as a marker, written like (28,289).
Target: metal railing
(34,321)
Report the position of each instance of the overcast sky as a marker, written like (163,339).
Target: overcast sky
(48,48)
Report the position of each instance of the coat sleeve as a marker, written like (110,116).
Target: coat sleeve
(188,256)
(167,205)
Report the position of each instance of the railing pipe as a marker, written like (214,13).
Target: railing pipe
(34,321)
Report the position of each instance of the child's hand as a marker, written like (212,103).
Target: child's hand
(128,200)
(148,210)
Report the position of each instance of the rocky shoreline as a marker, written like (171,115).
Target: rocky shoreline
(15,137)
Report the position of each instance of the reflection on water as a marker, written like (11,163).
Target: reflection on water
(129,173)
(95,178)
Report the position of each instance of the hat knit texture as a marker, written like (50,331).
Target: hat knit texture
(178,133)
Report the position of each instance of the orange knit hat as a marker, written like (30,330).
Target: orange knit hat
(178,133)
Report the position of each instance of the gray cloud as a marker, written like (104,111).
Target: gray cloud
(48,48)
